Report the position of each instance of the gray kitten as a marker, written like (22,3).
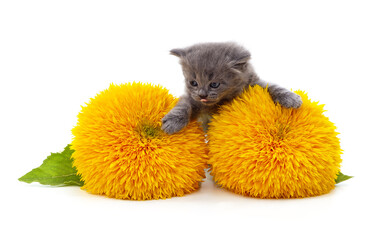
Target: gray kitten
(216,73)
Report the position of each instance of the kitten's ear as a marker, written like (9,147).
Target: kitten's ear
(179,52)
(239,64)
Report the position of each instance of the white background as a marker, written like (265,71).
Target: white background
(55,55)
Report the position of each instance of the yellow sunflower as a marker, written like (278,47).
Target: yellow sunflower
(260,149)
(121,151)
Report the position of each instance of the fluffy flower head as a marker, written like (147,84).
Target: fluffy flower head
(258,148)
(121,151)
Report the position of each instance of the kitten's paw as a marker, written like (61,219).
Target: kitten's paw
(289,100)
(172,123)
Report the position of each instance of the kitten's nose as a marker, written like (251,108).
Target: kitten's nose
(202,94)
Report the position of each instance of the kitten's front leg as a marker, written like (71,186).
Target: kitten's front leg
(286,98)
(178,117)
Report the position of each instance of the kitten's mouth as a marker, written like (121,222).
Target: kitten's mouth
(207,102)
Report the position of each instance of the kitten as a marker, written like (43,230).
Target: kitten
(216,73)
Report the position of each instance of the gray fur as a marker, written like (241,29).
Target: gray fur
(224,63)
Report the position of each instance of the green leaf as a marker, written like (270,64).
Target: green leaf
(56,170)
(342,177)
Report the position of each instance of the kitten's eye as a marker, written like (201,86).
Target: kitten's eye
(214,84)
(194,83)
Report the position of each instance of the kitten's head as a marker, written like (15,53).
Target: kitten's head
(213,71)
